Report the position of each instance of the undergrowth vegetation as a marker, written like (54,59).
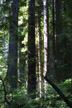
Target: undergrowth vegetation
(19,98)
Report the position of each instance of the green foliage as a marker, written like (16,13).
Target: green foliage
(20,97)
(51,100)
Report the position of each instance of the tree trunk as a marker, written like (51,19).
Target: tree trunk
(39,52)
(58,31)
(31,50)
(58,27)
(12,57)
(54,52)
(58,17)
(46,37)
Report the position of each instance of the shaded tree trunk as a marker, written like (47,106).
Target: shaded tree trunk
(58,17)
(58,26)
(71,53)
(71,58)
(12,57)
(58,31)
(31,50)
(54,51)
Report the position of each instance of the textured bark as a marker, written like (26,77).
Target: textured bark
(31,50)
(39,52)
(12,57)
(46,37)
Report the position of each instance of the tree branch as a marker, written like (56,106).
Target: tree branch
(59,92)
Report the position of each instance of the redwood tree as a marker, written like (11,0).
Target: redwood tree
(12,54)
(31,50)
(39,49)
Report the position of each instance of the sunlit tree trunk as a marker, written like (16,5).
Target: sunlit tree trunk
(39,52)
(46,37)
(31,50)
(12,57)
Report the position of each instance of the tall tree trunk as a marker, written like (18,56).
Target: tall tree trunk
(58,17)
(46,37)
(54,52)
(39,52)
(12,57)
(31,50)
(58,31)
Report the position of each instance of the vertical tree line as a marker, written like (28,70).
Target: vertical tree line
(39,50)
(13,45)
(52,40)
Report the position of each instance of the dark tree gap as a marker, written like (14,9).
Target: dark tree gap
(58,32)
(21,62)
(53,39)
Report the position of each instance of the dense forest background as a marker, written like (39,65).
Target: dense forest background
(35,53)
